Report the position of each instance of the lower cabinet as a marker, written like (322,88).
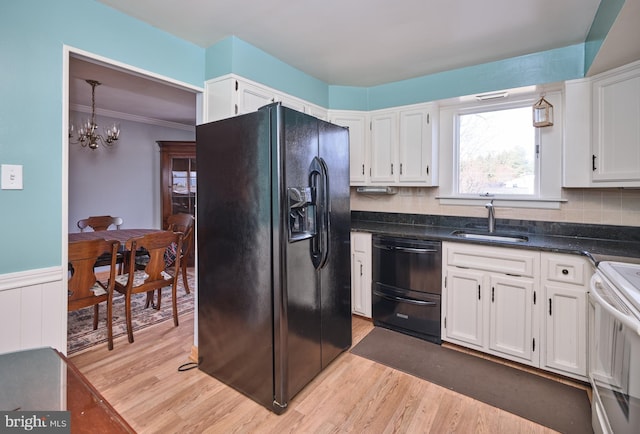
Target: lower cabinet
(497,300)
(565,279)
(361,273)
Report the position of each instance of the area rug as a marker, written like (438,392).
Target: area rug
(547,402)
(80,333)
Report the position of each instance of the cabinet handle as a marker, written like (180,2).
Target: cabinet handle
(427,170)
(392,168)
(478,292)
(565,271)
(400,168)
(549,307)
(363,169)
(361,269)
(593,162)
(493,291)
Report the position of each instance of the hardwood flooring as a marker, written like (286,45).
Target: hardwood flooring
(142,381)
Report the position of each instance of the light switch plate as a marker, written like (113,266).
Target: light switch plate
(11,176)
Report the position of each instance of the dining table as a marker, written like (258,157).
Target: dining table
(122,235)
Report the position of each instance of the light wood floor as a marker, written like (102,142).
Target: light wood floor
(141,380)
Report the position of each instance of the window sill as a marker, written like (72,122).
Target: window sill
(515,202)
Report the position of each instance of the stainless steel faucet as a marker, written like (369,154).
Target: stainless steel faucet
(491,216)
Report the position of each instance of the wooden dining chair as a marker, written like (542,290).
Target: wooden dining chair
(183,223)
(100,223)
(152,276)
(84,288)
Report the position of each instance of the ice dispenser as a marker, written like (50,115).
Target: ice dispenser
(302,213)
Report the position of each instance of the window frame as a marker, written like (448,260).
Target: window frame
(548,184)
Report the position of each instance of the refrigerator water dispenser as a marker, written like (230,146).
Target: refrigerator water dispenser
(302,213)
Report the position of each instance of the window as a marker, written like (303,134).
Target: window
(497,153)
(491,149)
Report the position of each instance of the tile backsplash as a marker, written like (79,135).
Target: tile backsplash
(589,206)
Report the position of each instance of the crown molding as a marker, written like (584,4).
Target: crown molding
(133,118)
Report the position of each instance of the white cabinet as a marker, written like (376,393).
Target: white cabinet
(403,151)
(357,122)
(463,320)
(565,286)
(251,97)
(384,148)
(522,305)
(490,300)
(511,317)
(616,130)
(417,149)
(232,95)
(361,273)
(602,135)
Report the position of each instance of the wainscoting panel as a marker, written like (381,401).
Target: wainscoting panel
(33,310)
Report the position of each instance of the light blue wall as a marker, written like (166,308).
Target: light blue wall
(605,16)
(32,35)
(233,55)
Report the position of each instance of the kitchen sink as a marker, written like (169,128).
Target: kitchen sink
(491,237)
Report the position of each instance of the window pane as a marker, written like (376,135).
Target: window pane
(497,153)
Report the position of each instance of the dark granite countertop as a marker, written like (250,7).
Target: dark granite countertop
(597,242)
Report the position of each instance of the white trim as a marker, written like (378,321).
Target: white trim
(549,162)
(547,203)
(23,279)
(134,118)
(69,50)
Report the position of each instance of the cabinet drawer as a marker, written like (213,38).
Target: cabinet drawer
(361,242)
(565,268)
(499,259)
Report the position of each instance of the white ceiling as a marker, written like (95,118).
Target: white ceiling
(371,42)
(341,42)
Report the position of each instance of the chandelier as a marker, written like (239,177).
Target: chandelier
(88,131)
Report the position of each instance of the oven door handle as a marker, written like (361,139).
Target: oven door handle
(405,300)
(597,288)
(405,249)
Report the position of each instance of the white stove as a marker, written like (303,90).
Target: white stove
(614,347)
(626,278)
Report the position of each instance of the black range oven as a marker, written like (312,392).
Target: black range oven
(407,286)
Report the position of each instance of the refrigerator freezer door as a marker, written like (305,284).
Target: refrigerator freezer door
(235,300)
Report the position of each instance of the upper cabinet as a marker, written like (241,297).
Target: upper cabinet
(417,146)
(403,146)
(616,126)
(602,134)
(384,148)
(357,122)
(391,147)
(231,95)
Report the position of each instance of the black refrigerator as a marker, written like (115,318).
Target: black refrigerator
(274,284)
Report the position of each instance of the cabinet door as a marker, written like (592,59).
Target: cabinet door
(361,274)
(415,148)
(357,124)
(251,97)
(384,148)
(463,320)
(565,326)
(511,318)
(616,135)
